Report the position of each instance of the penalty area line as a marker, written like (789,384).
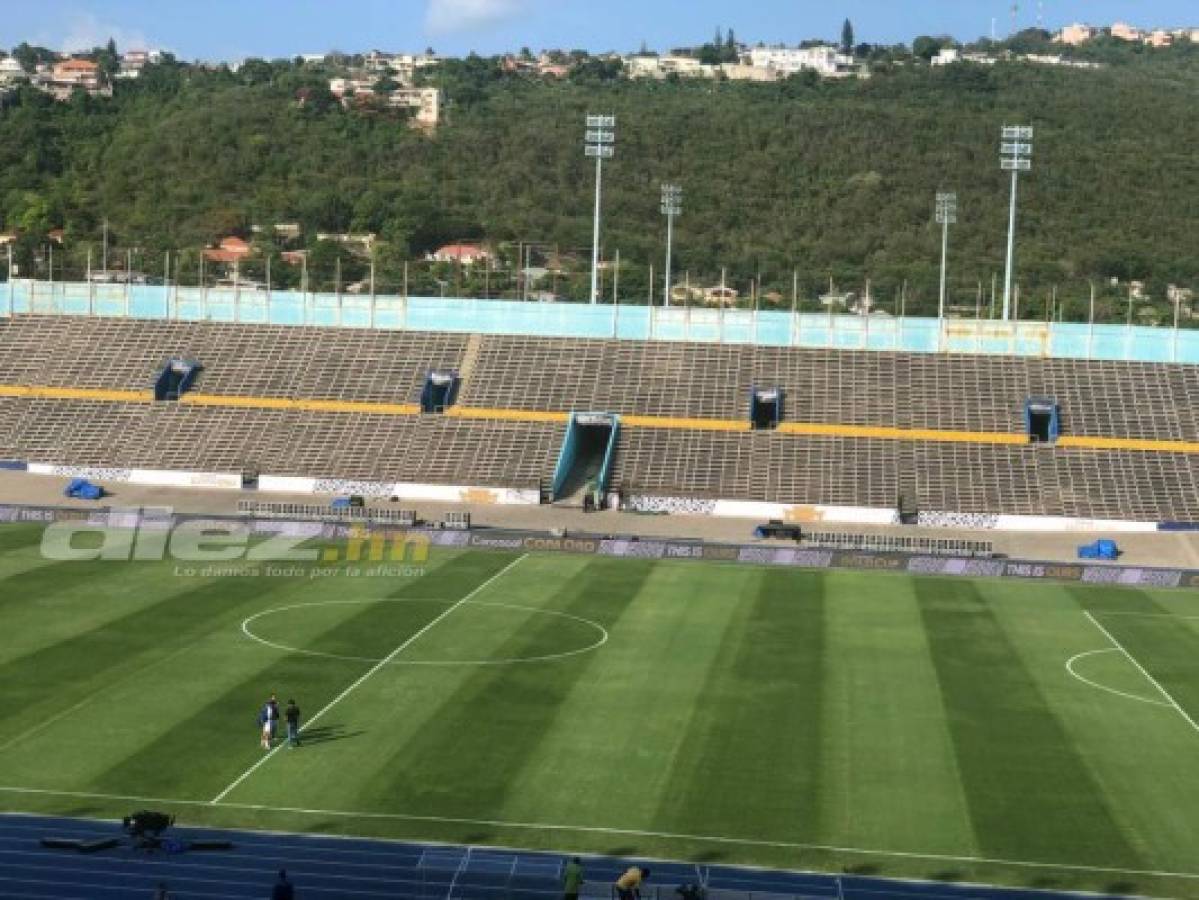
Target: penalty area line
(367,674)
(604,830)
(1153,681)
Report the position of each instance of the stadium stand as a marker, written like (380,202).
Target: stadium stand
(858,428)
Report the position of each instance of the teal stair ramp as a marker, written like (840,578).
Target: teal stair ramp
(585,461)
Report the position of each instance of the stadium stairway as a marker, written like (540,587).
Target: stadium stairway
(361,869)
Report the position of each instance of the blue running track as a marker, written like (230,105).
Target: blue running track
(329,868)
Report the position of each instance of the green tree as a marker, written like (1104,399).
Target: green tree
(926,47)
(30,57)
(108,59)
(385,86)
(847,42)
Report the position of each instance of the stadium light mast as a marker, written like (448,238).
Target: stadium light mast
(1015,156)
(599,142)
(947,214)
(672,205)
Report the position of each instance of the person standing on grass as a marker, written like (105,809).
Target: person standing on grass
(572,879)
(283,889)
(292,715)
(264,725)
(628,885)
(272,709)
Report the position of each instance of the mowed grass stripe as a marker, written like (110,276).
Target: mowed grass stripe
(140,707)
(1028,788)
(15,539)
(42,682)
(890,767)
(219,734)
(469,751)
(608,755)
(751,757)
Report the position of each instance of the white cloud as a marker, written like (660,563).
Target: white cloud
(451,16)
(85,31)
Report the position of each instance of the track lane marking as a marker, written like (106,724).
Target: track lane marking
(604,830)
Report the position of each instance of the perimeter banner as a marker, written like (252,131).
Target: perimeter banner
(629,547)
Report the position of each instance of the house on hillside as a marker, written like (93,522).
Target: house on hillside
(66,76)
(133,61)
(464,254)
(1124,32)
(721,296)
(10,71)
(1075,35)
(358,244)
(826,61)
(228,253)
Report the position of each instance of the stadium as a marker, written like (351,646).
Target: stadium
(790,603)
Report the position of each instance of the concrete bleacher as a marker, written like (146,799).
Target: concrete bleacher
(358,446)
(242,415)
(238,360)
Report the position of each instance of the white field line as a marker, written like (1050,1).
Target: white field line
(1132,659)
(604,830)
(548,657)
(1103,687)
(369,672)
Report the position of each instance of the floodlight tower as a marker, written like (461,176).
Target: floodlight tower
(599,142)
(947,214)
(672,205)
(1015,151)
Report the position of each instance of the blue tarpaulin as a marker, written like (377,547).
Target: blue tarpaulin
(1101,549)
(82,489)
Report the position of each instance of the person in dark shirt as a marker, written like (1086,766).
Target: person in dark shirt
(283,889)
(292,715)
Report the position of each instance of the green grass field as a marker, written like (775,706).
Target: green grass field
(902,726)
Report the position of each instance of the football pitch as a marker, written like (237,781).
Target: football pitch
(1022,733)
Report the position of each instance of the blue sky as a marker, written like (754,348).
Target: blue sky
(232,29)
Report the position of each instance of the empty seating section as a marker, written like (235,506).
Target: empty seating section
(280,442)
(1115,399)
(1128,484)
(660,379)
(830,388)
(763,466)
(960,393)
(982,478)
(241,360)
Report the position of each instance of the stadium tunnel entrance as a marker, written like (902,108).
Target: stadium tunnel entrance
(585,462)
(765,407)
(175,378)
(440,391)
(1042,420)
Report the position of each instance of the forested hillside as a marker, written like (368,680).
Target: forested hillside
(833,179)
